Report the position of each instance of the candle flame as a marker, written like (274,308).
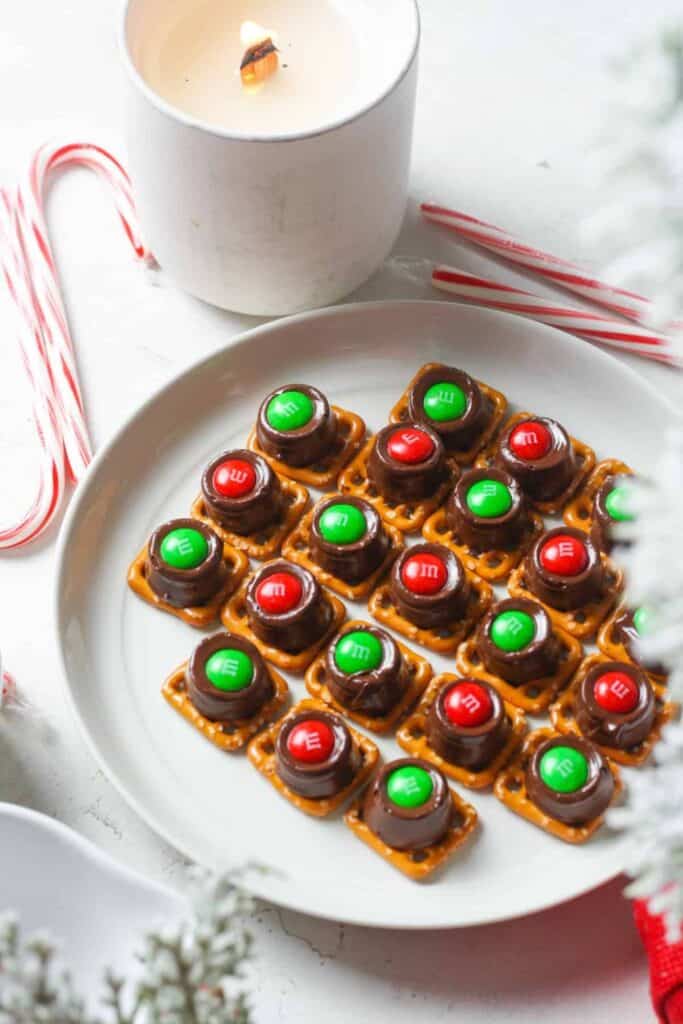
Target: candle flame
(260,59)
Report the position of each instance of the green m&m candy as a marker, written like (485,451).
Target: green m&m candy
(409,786)
(289,410)
(229,670)
(489,499)
(644,619)
(512,630)
(618,504)
(563,769)
(358,651)
(342,524)
(184,548)
(444,401)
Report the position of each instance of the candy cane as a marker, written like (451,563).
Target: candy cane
(605,330)
(552,268)
(30,274)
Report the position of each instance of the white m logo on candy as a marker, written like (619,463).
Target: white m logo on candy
(411,438)
(360,653)
(528,437)
(565,768)
(312,742)
(471,702)
(237,476)
(566,550)
(619,689)
(184,547)
(429,572)
(289,408)
(278,589)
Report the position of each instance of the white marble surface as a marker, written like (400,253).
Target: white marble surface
(510,97)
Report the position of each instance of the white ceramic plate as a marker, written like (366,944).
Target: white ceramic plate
(117,650)
(52,879)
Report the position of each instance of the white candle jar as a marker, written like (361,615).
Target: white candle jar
(273,221)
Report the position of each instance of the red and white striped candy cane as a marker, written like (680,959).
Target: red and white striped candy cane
(543,264)
(47,349)
(607,331)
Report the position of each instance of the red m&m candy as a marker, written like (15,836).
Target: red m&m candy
(468,704)
(234,478)
(279,593)
(530,440)
(564,555)
(424,574)
(410,445)
(616,692)
(311,742)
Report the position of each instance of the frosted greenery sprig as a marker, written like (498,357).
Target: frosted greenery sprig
(652,815)
(189,974)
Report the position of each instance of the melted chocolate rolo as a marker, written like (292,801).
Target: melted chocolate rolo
(602,525)
(350,562)
(429,611)
(625,632)
(408,828)
(306,445)
(565,593)
(607,727)
(373,693)
(222,705)
(252,512)
(497,533)
(535,661)
(586,803)
(472,747)
(297,629)
(402,481)
(459,434)
(186,588)
(545,478)
(326,778)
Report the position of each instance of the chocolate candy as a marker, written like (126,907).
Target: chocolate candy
(366,671)
(540,455)
(184,563)
(467,724)
(610,506)
(487,510)
(569,779)
(408,805)
(315,755)
(615,705)
(452,404)
(241,492)
(296,425)
(286,606)
(429,587)
(629,629)
(348,539)
(407,463)
(227,679)
(516,642)
(564,570)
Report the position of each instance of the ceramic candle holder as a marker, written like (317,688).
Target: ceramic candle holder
(276,222)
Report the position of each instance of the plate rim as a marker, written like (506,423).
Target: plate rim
(68,526)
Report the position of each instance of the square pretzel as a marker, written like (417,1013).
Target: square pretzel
(234,617)
(297,549)
(266,543)
(585,457)
(497,400)
(350,435)
(616,650)
(226,737)
(199,616)
(406,516)
(490,565)
(261,753)
(441,639)
(537,695)
(510,788)
(562,715)
(412,737)
(418,865)
(419,674)
(579,511)
(584,622)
